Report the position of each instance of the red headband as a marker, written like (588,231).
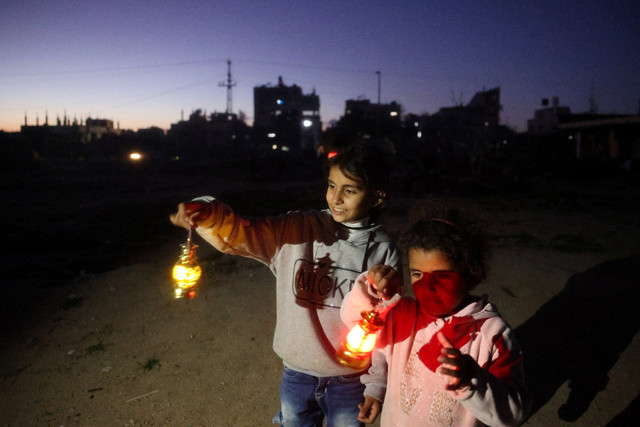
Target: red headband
(444,221)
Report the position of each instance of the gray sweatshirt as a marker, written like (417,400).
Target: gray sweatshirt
(316,262)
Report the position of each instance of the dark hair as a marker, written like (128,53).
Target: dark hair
(462,241)
(369,163)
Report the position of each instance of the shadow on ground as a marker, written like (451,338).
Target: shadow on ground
(579,334)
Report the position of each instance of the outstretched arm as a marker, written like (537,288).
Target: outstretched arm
(216,223)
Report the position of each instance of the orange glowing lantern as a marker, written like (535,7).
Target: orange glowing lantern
(355,352)
(186,271)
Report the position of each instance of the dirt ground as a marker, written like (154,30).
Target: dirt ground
(102,342)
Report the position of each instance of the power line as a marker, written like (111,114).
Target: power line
(107,69)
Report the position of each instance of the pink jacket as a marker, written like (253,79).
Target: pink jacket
(402,374)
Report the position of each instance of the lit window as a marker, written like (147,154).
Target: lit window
(393,113)
(271,135)
(274,147)
(135,156)
(307,123)
(419,134)
(284,148)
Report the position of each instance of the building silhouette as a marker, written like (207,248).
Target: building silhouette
(584,143)
(373,121)
(67,138)
(216,134)
(285,118)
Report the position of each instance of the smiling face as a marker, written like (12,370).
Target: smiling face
(347,198)
(438,288)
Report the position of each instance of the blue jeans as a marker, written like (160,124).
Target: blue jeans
(307,400)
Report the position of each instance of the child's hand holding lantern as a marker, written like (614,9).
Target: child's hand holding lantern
(189,214)
(187,271)
(384,281)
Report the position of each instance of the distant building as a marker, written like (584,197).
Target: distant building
(285,118)
(550,118)
(584,142)
(96,129)
(216,134)
(363,121)
(604,140)
(459,141)
(364,110)
(373,121)
(546,119)
(67,139)
(482,111)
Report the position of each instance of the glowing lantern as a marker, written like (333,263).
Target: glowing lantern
(186,271)
(355,352)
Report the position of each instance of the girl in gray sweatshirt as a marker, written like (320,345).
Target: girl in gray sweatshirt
(316,257)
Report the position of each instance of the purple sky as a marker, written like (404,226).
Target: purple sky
(144,63)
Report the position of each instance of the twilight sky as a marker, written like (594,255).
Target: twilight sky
(145,63)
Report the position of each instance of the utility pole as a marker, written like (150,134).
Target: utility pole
(228,84)
(378,112)
(378,73)
(593,105)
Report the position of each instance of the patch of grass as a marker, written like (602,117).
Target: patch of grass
(149,364)
(95,348)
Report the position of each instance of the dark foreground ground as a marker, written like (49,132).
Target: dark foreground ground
(90,335)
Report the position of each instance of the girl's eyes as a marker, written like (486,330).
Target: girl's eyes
(439,276)
(347,191)
(444,275)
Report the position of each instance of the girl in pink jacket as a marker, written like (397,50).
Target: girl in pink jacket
(445,358)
